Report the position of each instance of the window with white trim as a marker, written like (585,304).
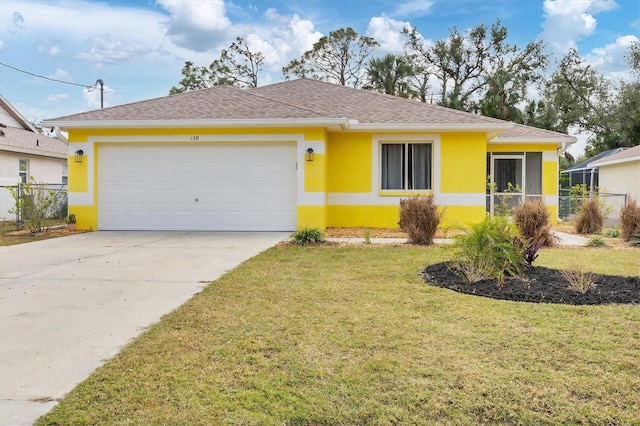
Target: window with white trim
(406,166)
(65,173)
(23,169)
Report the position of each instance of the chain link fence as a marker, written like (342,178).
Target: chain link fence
(569,204)
(10,213)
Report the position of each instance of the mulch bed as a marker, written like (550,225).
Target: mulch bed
(540,285)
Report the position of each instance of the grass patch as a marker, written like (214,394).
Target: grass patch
(350,335)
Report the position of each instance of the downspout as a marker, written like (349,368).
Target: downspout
(59,135)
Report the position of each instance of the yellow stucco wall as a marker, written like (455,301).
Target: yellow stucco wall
(463,163)
(349,160)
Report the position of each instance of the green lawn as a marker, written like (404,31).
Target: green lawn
(350,335)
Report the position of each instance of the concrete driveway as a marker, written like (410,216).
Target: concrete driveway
(69,304)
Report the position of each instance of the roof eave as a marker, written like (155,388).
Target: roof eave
(569,140)
(606,162)
(493,129)
(198,123)
(29,151)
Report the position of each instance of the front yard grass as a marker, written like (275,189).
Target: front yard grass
(351,335)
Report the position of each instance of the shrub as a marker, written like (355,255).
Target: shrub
(419,218)
(307,236)
(579,278)
(34,203)
(611,233)
(596,241)
(489,249)
(629,219)
(532,219)
(589,219)
(635,239)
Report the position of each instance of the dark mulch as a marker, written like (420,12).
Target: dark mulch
(540,285)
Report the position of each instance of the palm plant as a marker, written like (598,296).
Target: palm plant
(390,74)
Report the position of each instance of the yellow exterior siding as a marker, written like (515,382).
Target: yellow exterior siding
(315,173)
(349,160)
(312,217)
(77,175)
(366,215)
(463,163)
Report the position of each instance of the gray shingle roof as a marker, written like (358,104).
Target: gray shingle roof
(585,164)
(28,142)
(520,132)
(299,99)
(627,154)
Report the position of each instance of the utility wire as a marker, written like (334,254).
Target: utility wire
(86,86)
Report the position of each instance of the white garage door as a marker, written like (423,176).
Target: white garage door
(217,187)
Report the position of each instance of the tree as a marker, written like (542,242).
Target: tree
(580,96)
(390,74)
(480,64)
(339,58)
(238,66)
(539,114)
(502,96)
(633,57)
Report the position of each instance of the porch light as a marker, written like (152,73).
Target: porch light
(79,154)
(309,154)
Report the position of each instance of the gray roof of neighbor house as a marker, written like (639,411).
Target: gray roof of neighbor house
(584,165)
(299,102)
(25,139)
(627,154)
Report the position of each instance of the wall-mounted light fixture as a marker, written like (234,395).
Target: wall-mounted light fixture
(309,154)
(79,154)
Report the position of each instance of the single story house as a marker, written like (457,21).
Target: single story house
(26,153)
(620,173)
(301,153)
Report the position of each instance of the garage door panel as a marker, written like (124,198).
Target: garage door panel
(197,187)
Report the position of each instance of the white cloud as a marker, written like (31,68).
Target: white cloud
(388,32)
(1,45)
(57,97)
(283,38)
(104,49)
(17,19)
(50,50)
(196,25)
(61,74)
(567,22)
(610,60)
(414,8)
(92,96)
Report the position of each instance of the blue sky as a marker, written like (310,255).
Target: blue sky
(138,47)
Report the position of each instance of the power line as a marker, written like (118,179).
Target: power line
(86,86)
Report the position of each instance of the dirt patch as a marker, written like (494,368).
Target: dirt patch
(381,233)
(540,285)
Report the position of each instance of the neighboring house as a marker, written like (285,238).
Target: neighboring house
(295,154)
(25,153)
(620,173)
(582,173)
